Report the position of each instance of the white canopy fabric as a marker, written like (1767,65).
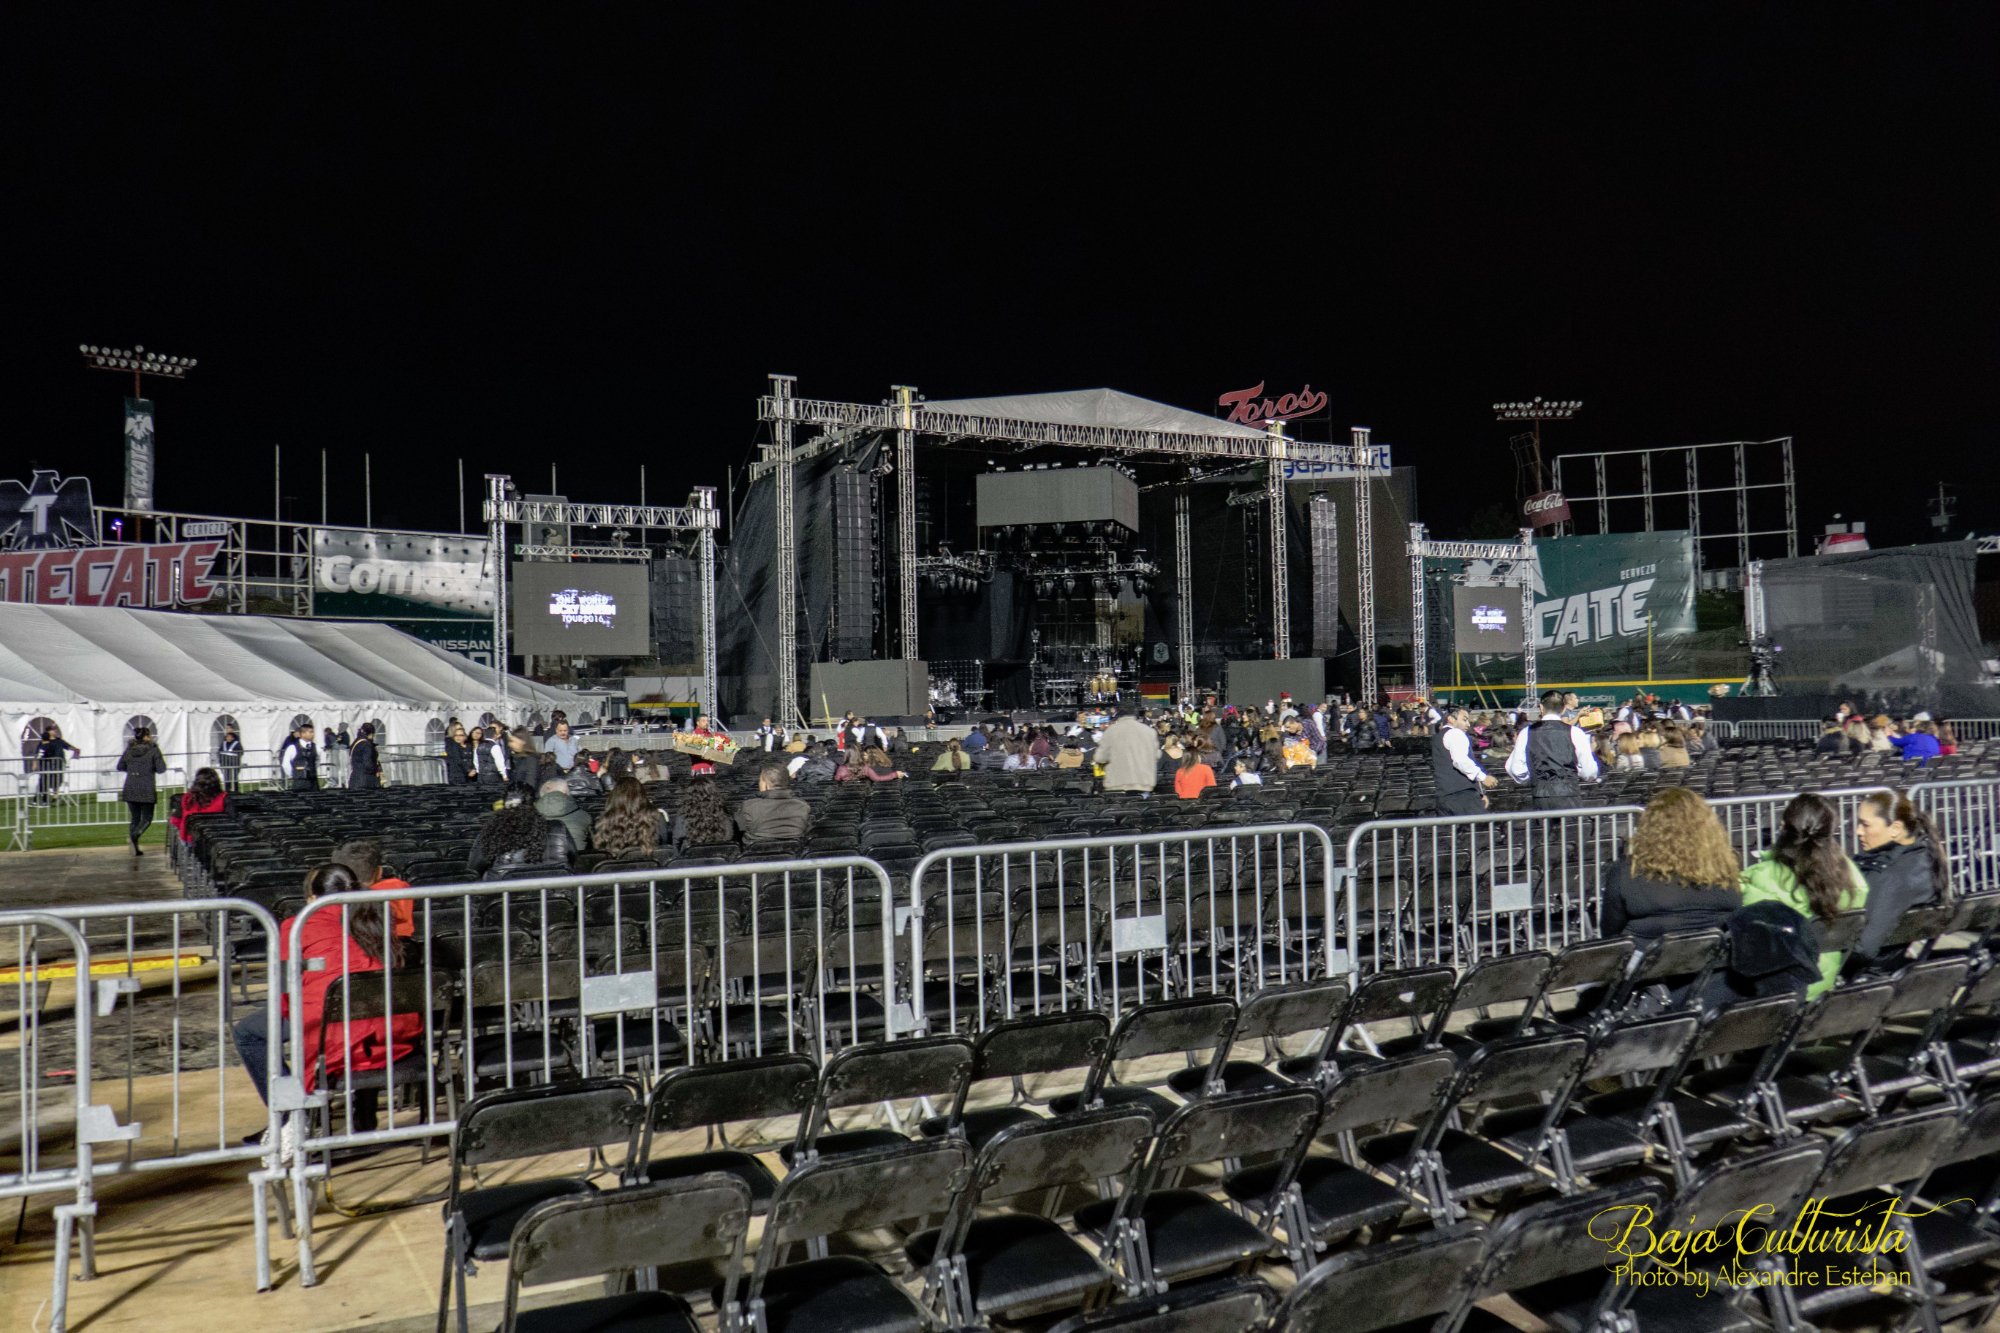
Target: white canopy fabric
(1096,407)
(94,669)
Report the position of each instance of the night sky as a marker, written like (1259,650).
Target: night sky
(584,234)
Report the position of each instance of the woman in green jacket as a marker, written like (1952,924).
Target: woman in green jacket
(1806,870)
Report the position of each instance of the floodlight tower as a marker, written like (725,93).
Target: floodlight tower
(137,360)
(1538,410)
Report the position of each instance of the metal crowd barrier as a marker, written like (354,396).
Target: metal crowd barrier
(1430,891)
(87,792)
(1753,821)
(1966,812)
(1774,729)
(1010,929)
(160,988)
(524,981)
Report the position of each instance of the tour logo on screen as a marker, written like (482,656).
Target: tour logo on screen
(577,607)
(1489,619)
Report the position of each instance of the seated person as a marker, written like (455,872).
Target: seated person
(556,803)
(630,825)
(1246,776)
(1903,863)
(1807,871)
(1678,872)
(343,942)
(702,820)
(363,856)
(204,796)
(953,760)
(519,835)
(774,814)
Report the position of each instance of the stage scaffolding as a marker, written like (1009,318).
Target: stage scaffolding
(1625,478)
(907,416)
(1518,556)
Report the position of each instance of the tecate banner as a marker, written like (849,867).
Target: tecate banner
(156,574)
(1545,509)
(139,454)
(362,574)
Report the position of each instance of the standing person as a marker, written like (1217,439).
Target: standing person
(524,762)
(51,759)
(1461,783)
(337,745)
(491,759)
(1902,861)
(229,758)
(770,737)
(1129,754)
(1806,870)
(561,747)
(298,759)
(1553,758)
(142,763)
(364,761)
(461,767)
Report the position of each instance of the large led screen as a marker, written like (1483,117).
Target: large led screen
(581,610)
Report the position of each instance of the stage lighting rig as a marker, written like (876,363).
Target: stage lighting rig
(1536,411)
(137,362)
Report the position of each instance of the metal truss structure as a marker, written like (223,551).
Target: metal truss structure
(1323,524)
(1521,554)
(1683,504)
(698,516)
(908,417)
(1184,591)
(1364,565)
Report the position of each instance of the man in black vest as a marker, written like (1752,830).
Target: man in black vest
(1460,782)
(1554,757)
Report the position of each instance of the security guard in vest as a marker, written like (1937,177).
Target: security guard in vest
(1554,757)
(1460,782)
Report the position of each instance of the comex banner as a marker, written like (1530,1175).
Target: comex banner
(1601,603)
(438,588)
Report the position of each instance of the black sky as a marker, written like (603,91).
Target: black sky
(585,233)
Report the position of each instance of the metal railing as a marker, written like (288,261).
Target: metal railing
(528,980)
(1009,929)
(1430,891)
(77,796)
(1966,813)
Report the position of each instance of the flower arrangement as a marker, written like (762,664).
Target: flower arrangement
(706,745)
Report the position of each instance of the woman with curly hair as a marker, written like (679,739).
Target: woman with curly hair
(518,834)
(630,823)
(1807,870)
(702,818)
(1678,872)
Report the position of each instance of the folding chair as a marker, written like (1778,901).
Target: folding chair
(621,1232)
(1957,1224)
(1446,1160)
(1018,1264)
(880,1072)
(875,1187)
(1160,1234)
(1399,1287)
(1838,1021)
(1165,1027)
(712,1097)
(1340,1198)
(1557,1246)
(424,1073)
(1411,995)
(1774,1179)
(1240,1303)
(1015,1049)
(1591,972)
(1508,978)
(1270,1015)
(506,1126)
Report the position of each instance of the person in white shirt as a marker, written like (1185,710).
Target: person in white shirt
(1553,757)
(770,737)
(1461,783)
(1246,776)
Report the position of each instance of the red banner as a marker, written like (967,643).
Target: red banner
(137,576)
(1248,406)
(1545,509)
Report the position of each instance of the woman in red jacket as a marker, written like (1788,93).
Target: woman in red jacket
(353,947)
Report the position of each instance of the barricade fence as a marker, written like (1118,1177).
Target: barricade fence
(1013,929)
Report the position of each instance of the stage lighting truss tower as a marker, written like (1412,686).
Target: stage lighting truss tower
(1184,593)
(1274,494)
(906,524)
(1521,554)
(698,516)
(1364,563)
(779,452)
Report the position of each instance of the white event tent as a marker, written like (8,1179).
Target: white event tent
(95,671)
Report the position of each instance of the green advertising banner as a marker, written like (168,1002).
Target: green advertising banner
(1617,607)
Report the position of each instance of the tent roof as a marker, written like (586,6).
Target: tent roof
(111,656)
(1096,407)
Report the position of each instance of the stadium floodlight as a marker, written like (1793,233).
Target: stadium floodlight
(1535,411)
(137,360)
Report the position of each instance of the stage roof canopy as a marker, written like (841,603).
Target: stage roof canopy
(1095,407)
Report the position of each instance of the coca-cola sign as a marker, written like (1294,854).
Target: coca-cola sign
(1546,509)
(1249,407)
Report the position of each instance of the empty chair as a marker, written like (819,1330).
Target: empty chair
(712,1097)
(1398,1287)
(1338,1197)
(1447,1160)
(1838,1023)
(1160,1234)
(1411,997)
(623,1231)
(1588,974)
(1508,978)
(1016,1049)
(1955,1226)
(524,1122)
(1165,1027)
(1892,1060)
(881,1072)
(875,1187)
(1273,1013)
(1560,1244)
(1201,1307)
(1017,1263)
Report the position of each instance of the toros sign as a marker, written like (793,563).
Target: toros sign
(1249,407)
